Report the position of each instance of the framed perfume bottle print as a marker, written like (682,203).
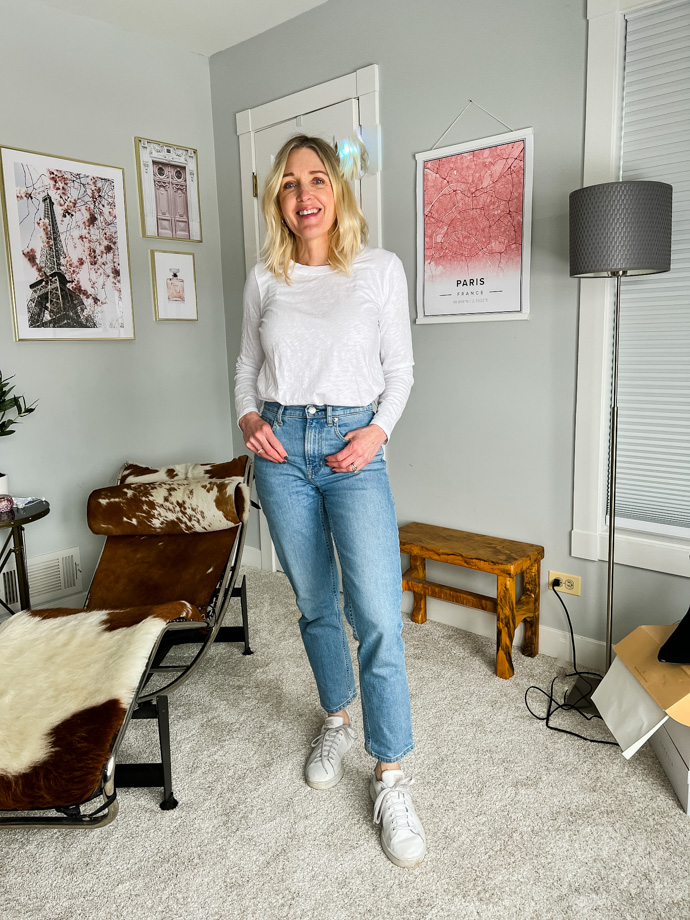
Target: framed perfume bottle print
(174,285)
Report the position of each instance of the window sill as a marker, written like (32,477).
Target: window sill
(656,553)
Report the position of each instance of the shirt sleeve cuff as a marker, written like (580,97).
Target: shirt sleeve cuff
(384,424)
(243,411)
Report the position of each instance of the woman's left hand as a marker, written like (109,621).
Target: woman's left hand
(364,444)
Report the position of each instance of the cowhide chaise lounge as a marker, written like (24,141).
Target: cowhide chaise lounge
(71,680)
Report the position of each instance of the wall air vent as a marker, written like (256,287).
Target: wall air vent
(10,590)
(52,576)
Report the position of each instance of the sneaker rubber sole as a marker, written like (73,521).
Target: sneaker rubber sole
(403,863)
(326,783)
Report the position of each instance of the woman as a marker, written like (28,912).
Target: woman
(326,334)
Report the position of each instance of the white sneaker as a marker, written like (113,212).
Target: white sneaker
(402,835)
(324,766)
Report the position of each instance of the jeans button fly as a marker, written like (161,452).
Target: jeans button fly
(311,410)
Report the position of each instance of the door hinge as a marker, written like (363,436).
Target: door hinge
(255,185)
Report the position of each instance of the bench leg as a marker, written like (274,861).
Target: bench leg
(530,645)
(505,626)
(418,570)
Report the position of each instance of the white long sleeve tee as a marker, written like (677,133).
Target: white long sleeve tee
(327,338)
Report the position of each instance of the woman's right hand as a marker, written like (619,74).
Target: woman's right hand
(259,437)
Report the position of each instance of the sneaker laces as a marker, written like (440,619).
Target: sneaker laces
(328,738)
(397,799)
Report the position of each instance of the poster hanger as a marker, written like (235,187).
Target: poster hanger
(469,103)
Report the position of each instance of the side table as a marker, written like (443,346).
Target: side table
(14,521)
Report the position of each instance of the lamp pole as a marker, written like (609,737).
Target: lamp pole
(613,451)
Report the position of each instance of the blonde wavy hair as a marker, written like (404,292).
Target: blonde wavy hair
(350,232)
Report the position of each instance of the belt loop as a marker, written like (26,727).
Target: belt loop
(329,416)
(279,415)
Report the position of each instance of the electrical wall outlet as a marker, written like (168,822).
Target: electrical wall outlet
(570,584)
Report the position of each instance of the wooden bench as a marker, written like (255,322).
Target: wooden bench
(503,558)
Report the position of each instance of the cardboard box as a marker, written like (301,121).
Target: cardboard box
(641,698)
(672,746)
(667,684)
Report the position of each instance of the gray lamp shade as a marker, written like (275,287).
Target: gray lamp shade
(620,227)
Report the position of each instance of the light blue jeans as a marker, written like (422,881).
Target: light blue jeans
(309,508)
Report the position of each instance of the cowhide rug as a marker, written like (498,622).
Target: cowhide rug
(67,678)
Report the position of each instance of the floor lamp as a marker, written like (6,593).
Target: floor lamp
(617,229)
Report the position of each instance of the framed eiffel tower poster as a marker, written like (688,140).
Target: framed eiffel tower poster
(66,234)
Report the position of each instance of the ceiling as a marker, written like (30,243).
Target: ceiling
(202,26)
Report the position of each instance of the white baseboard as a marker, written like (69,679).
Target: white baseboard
(554,642)
(251,556)
(591,653)
(72,600)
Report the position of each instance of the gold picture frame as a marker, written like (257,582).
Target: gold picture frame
(65,223)
(168,182)
(174,286)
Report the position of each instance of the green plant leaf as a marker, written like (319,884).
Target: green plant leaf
(11,404)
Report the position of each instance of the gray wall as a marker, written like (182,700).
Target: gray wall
(75,88)
(486,442)
(487,439)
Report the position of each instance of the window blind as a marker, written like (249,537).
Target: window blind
(653,469)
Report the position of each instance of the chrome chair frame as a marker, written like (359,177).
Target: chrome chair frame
(106,812)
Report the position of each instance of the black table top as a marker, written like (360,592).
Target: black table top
(18,516)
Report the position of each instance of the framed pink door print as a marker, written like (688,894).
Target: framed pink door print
(180,202)
(168,190)
(161,184)
(172,210)
(474,208)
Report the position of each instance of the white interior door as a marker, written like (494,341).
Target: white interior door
(335,110)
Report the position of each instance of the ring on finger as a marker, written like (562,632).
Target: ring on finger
(260,451)
(353,467)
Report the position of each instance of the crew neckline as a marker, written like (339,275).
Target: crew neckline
(321,269)
(312,269)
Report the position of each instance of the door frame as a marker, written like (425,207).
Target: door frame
(362,85)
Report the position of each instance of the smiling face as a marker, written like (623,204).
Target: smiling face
(307,204)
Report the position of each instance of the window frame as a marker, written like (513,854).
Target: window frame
(589,536)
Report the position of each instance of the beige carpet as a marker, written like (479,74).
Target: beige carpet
(522,823)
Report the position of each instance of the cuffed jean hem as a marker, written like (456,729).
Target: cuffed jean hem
(351,699)
(408,750)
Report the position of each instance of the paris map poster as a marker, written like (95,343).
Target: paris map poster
(474,204)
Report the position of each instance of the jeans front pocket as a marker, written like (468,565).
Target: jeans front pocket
(344,424)
(270,417)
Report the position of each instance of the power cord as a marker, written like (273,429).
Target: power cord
(553,705)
